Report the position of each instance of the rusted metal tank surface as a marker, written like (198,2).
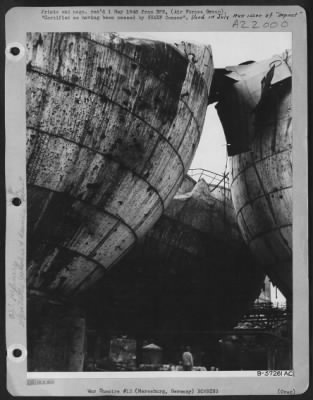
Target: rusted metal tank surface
(191,272)
(255,110)
(112,126)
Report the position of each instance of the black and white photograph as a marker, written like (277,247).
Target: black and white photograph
(158,225)
(159,233)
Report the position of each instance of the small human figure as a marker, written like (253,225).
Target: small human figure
(187,359)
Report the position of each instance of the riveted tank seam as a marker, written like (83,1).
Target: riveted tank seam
(263,233)
(270,206)
(97,264)
(285,240)
(105,156)
(141,64)
(151,211)
(91,206)
(275,132)
(180,178)
(150,156)
(186,129)
(75,252)
(42,211)
(121,256)
(116,82)
(56,78)
(247,190)
(76,289)
(262,195)
(258,161)
(88,39)
(248,232)
(35,158)
(104,270)
(132,59)
(108,234)
(65,82)
(192,115)
(92,84)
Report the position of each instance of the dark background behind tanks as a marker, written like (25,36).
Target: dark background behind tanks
(192,272)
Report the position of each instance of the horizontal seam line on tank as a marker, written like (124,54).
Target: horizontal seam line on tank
(103,270)
(145,67)
(132,59)
(262,195)
(60,246)
(276,228)
(106,156)
(96,267)
(77,253)
(117,217)
(251,165)
(58,79)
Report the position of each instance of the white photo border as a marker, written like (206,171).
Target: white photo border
(21,20)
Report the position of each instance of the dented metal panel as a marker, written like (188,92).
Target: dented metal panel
(112,126)
(261,178)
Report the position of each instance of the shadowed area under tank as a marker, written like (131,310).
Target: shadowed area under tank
(254,105)
(56,336)
(112,126)
(192,271)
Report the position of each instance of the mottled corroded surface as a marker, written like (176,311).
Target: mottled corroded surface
(191,272)
(257,108)
(112,126)
(201,57)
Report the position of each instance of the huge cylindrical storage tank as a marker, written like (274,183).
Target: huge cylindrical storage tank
(192,272)
(255,110)
(112,126)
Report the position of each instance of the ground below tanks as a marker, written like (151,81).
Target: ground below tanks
(254,105)
(192,272)
(112,126)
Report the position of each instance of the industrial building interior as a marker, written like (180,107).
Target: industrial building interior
(135,256)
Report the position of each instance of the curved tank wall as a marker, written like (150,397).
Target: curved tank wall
(255,111)
(191,272)
(112,126)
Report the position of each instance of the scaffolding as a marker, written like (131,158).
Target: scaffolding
(213,179)
(264,315)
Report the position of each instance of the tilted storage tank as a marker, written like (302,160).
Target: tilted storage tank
(112,127)
(254,105)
